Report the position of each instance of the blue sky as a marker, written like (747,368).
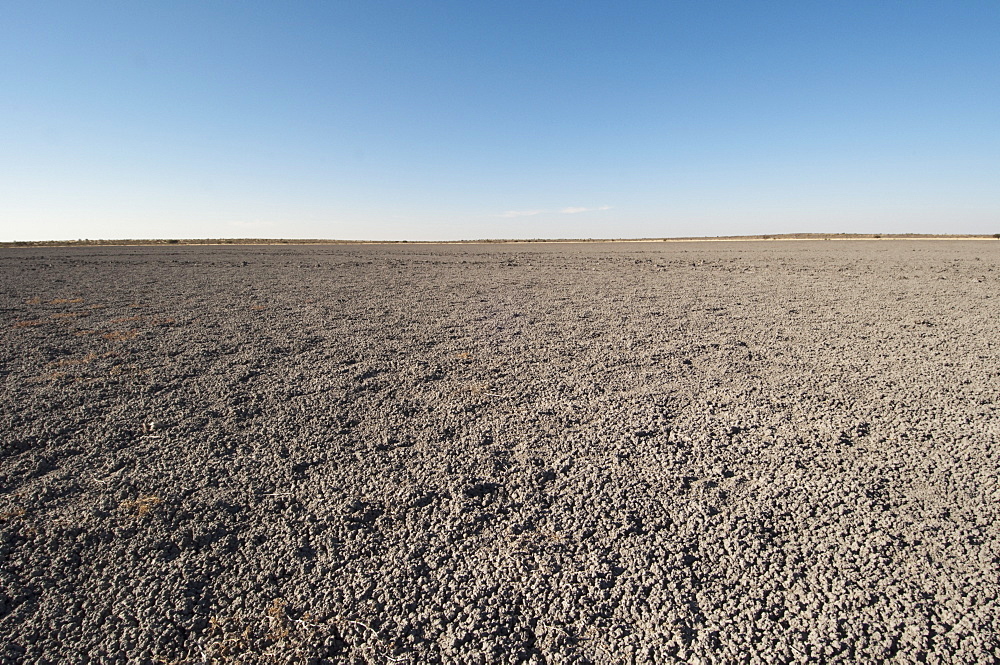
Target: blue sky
(448,120)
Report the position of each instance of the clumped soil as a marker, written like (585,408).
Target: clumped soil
(638,453)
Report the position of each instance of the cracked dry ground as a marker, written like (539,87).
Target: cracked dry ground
(571,453)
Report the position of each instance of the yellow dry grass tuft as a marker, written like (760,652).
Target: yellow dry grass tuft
(142,506)
(277,615)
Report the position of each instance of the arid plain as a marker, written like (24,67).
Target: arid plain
(725,452)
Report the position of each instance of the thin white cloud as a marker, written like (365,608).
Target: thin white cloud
(574,210)
(571,210)
(520,213)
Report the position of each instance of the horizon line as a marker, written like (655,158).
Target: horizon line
(87,242)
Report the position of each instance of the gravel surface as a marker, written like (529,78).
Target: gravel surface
(570,453)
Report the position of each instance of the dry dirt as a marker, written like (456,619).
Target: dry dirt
(629,453)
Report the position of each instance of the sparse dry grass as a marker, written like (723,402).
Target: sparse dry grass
(120,335)
(11,513)
(15,517)
(28,324)
(69,315)
(282,636)
(83,360)
(52,377)
(67,362)
(36,300)
(142,506)
(129,370)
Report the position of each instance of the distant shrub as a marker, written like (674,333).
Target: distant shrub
(173,241)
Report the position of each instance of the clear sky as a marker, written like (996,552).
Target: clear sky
(446,119)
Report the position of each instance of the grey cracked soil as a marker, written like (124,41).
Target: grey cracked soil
(597,453)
